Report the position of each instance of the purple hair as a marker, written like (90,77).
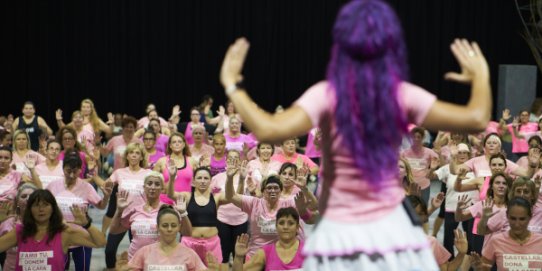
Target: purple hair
(367,65)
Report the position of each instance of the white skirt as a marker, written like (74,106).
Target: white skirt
(391,243)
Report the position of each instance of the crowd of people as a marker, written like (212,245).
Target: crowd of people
(236,191)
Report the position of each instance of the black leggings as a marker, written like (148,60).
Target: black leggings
(228,236)
(113,242)
(450,225)
(112,207)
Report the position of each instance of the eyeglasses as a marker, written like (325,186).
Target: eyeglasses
(148,139)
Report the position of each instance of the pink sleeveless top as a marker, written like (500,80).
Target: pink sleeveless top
(183,181)
(273,261)
(217,166)
(39,255)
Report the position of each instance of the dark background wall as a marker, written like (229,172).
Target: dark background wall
(124,54)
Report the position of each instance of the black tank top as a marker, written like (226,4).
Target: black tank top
(202,216)
(33,130)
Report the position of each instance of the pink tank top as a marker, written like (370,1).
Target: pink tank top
(39,255)
(183,181)
(188,134)
(273,261)
(217,166)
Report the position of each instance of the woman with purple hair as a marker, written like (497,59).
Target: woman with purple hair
(365,223)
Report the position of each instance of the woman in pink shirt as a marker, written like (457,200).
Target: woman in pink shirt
(178,154)
(168,253)
(22,153)
(519,129)
(160,134)
(140,218)
(199,148)
(131,179)
(11,179)
(51,170)
(284,254)
(9,222)
(365,92)
(263,166)
(289,154)
(235,140)
(75,191)
(43,238)
(187,128)
(91,121)
(84,136)
(153,155)
(217,161)
(517,248)
(68,140)
(117,144)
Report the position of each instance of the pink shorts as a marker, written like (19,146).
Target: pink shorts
(203,245)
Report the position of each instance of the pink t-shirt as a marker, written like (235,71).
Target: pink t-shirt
(132,182)
(441,254)
(82,194)
(204,150)
(419,162)
(47,175)
(492,127)
(83,160)
(297,158)
(262,221)
(228,213)
(520,144)
(18,161)
(152,258)
(510,255)
(183,180)
(117,145)
(142,225)
(499,222)
(188,132)
(161,143)
(11,254)
(9,184)
(260,170)
(274,263)
(154,158)
(480,166)
(39,255)
(237,143)
(346,195)
(311,150)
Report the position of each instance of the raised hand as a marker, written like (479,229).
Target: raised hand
(230,73)
(243,169)
(232,169)
(435,162)
(176,110)
(58,114)
(477,263)
(462,202)
(437,200)
(180,204)
(122,262)
(107,188)
(515,122)
(110,118)
(79,215)
(122,200)
(171,168)
(5,210)
(221,111)
(506,114)
(460,241)
(471,60)
(487,208)
(534,157)
(30,161)
(241,246)
(212,262)
(302,176)
(300,202)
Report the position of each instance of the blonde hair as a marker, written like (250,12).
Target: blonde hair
(136,146)
(93,117)
(17,133)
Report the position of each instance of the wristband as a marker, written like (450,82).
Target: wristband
(89,223)
(230,89)
(185,214)
(306,216)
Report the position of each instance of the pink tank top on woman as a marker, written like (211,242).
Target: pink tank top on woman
(485,187)
(217,166)
(183,181)
(39,255)
(273,261)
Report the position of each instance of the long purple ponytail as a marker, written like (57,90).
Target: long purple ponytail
(367,65)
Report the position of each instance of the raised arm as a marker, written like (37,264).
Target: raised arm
(116,226)
(487,212)
(30,163)
(256,262)
(461,212)
(78,237)
(475,115)
(231,195)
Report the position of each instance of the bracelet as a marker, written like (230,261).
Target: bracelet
(306,216)
(89,223)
